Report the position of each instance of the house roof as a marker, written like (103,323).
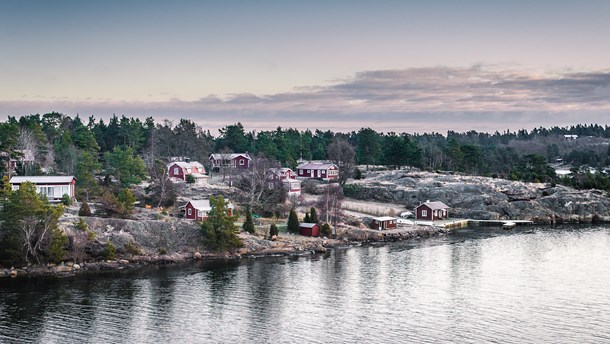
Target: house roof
(230,156)
(316,166)
(199,175)
(42,179)
(204,204)
(308,225)
(185,164)
(435,205)
(383,218)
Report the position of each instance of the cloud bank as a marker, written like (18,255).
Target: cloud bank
(482,97)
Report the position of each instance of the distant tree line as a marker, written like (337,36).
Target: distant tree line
(129,149)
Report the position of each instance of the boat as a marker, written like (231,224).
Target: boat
(509,225)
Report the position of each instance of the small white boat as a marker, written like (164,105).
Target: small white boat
(509,225)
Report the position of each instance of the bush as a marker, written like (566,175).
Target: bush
(66,200)
(352,190)
(357,173)
(81,225)
(162,250)
(84,209)
(132,248)
(90,235)
(109,252)
(273,231)
(325,230)
(190,179)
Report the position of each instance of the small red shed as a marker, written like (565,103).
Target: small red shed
(309,229)
(384,222)
(432,211)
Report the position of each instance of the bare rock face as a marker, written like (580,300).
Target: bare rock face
(486,198)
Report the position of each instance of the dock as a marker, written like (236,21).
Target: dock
(459,223)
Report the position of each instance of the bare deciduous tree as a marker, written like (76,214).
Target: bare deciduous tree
(342,154)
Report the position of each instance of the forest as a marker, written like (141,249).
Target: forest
(126,148)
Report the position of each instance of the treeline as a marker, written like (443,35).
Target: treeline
(56,143)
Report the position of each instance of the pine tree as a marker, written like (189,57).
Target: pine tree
(313,218)
(219,230)
(248,226)
(325,230)
(84,209)
(293,221)
(306,219)
(273,231)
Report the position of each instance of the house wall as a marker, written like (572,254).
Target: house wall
(420,213)
(314,231)
(383,224)
(241,162)
(53,191)
(180,174)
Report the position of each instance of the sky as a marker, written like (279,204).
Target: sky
(402,66)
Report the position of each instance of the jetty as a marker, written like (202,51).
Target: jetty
(459,223)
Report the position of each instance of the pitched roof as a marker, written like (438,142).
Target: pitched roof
(42,179)
(307,225)
(185,164)
(199,175)
(383,218)
(315,166)
(230,156)
(435,205)
(204,204)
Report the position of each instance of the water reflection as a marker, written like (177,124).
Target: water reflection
(477,285)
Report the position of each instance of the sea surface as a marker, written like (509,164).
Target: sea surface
(477,285)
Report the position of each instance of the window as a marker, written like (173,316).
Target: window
(190,211)
(199,213)
(424,213)
(300,171)
(176,170)
(242,162)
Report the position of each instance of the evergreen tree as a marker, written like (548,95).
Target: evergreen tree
(293,221)
(57,248)
(325,230)
(248,225)
(313,217)
(127,200)
(125,166)
(273,231)
(84,209)
(306,219)
(219,230)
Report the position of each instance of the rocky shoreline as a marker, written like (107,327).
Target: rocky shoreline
(254,247)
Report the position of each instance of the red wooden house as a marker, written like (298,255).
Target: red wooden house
(181,169)
(53,187)
(309,229)
(432,211)
(286,178)
(235,160)
(318,170)
(384,222)
(199,209)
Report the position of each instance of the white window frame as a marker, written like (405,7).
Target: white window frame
(424,213)
(242,162)
(190,211)
(176,170)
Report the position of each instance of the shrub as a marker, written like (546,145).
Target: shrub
(357,173)
(133,248)
(325,230)
(248,226)
(273,230)
(81,225)
(109,252)
(66,200)
(190,179)
(127,200)
(313,217)
(84,209)
(90,235)
(162,250)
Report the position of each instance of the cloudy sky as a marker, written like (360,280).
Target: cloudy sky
(410,66)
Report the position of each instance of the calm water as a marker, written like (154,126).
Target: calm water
(532,285)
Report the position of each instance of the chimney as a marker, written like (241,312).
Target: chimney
(187,159)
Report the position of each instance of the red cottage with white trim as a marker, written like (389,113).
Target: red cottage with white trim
(181,169)
(317,170)
(309,229)
(432,211)
(236,160)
